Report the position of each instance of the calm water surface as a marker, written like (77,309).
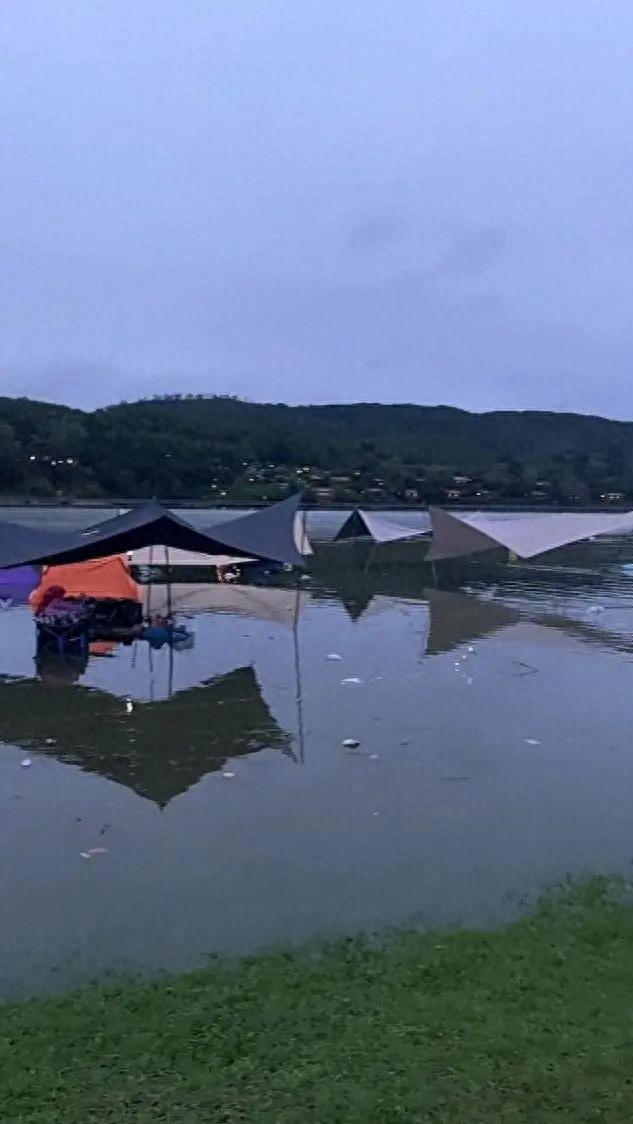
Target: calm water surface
(495,759)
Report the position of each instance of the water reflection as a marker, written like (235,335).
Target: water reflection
(157,749)
(481,776)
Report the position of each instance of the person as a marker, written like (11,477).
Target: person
(40,603)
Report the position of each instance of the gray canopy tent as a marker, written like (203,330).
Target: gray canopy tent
(268,534)
(455,536)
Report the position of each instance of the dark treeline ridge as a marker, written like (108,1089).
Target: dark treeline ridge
(222,449)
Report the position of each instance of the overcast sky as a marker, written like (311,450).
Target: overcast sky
(318,200)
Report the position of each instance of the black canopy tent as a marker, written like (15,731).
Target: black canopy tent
(267,534)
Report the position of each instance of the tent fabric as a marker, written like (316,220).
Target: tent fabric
(268,534)
(457,535)
(380,528)
(101,578)
(18,583)
(155,556)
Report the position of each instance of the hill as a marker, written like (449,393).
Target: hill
(220,449)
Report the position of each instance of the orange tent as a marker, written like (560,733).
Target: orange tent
(101,578)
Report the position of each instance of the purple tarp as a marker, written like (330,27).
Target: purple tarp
(17,583)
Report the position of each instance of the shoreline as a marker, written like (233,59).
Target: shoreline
(530,1022)
(243,505)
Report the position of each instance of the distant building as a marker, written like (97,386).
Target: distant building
(323,495)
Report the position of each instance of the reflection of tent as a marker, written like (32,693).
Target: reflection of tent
(279,606)
(267,534)
(379,528)
(458,619)
(158,750)
(458,535)
(102,578)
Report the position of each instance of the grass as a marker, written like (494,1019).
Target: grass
(531,1023)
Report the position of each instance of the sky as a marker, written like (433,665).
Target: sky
(318,201)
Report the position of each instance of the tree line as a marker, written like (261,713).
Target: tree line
(221,449)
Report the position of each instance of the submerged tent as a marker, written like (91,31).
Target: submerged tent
(457,535)
(101,578)
(379,528)
(268,534)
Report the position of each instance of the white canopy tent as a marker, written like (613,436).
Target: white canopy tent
(380,528)
(457,535)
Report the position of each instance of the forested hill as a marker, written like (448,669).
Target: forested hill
(220,449)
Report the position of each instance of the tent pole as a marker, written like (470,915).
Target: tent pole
(298,681)
(170,625)
(370,556)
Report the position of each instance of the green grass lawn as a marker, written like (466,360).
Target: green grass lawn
(530,1023)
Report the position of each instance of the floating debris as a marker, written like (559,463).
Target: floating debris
(351,743)
(334,656)
(50,741)
(228,775)
(532,741)
(26,763)
(92,851)
(351,679)
(129,706)
(374,756)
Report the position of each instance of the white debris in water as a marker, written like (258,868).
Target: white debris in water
(469,681)
(596,609)
(351,743)
(471,649)
(351,679)
(26,763)
(532,741)
(129,706)
(228,775)
(374,756)
(334,656)
(50,741)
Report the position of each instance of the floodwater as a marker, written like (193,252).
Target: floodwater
(494,760)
